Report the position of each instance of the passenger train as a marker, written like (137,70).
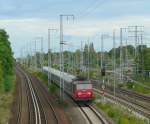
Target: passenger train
(78,87)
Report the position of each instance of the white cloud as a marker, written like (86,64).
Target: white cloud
(90,27)
(24,30)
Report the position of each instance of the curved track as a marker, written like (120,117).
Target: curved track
(33,105)
(40,90)
(36,115)
(23,110)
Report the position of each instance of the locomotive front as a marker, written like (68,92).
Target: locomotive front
(82,90)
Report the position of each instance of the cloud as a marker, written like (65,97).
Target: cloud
(22,31)
(91,27)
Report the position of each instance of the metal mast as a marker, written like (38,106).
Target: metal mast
(61,54)
(136,30)
(49,54)
(102,45)
(42,55)
(114,60)
(81,58)
(121,55)
(88,60)
(35,58)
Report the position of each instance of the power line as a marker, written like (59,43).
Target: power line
(88,11)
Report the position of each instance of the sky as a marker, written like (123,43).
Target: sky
(24,20)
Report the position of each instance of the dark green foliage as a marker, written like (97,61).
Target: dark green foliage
(111,114)
(89,59)
(129,49)
(53,88)
(7,83)
(90,55)
(6,58)
(146,58)
(130,85)
(1,78)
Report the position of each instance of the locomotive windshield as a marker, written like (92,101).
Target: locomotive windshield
(84,86)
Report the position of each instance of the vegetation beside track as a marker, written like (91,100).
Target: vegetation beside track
(6,100)
(119,114)
(44,78)
(41,76)
(7,77)
(137,88)
(6,62)
(143,80)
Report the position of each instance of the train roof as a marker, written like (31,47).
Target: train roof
(80,78)
(67,77)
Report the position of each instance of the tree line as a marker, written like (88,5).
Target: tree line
(90,58)
(6,62)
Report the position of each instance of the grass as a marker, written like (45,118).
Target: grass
(143,80)
(119,115)
(6,100)
(44,78)
(53,89)
(137,88)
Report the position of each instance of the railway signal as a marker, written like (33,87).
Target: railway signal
(103,72)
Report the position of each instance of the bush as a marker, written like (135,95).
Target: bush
(123,120)
(7,83)
(111,114)
(53,88)
(1,79)
(130,85)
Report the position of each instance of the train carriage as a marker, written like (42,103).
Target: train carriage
(78,87)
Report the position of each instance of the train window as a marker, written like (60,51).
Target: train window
(73,87)
(84,86)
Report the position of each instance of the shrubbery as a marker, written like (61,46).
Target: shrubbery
(120,115)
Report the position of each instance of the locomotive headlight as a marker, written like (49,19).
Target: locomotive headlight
(89,93)
(79,93)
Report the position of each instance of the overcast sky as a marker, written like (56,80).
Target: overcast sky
(26,19)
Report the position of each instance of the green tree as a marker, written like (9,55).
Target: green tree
(146,57)
(85,55)
(1,78)
(92,55)
(6,57)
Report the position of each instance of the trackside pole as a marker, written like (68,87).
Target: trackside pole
(61,55)
(103,90)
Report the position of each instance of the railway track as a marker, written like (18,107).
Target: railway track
(130,99)
(135,107)
(136,95)
(36,116)
(40,90)
(38,106)
(19,88)
(24,112)
(92,116)
(130,93)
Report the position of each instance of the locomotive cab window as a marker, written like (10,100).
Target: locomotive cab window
(84,86)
